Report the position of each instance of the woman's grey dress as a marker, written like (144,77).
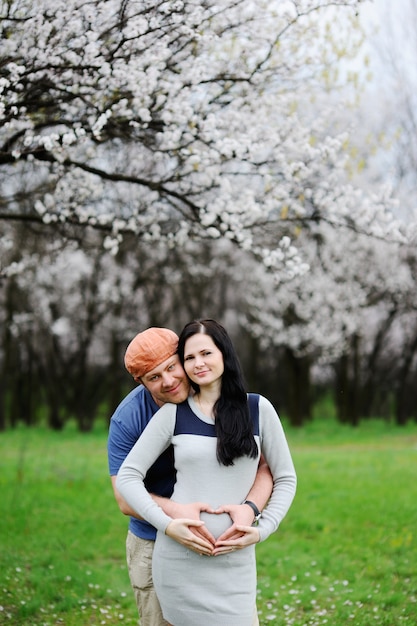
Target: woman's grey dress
(192,589)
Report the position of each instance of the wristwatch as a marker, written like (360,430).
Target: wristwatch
(255,510)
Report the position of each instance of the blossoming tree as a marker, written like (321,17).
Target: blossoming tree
(154,125)
(174,120)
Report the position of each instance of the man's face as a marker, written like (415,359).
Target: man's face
(167,382)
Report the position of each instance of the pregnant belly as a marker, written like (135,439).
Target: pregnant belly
(216,524)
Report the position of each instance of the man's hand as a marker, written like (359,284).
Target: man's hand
(241,515)
(248,535)
(184,531)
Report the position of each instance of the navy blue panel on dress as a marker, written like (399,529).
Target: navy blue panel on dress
(253,400)
(187,422)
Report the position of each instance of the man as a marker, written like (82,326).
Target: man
(151,358)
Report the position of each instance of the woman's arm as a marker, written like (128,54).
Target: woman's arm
(132,493)
(277,454)
(155,438)
(243,514)
(278,458)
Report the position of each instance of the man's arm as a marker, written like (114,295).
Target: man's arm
(262,487)
(123,505)
(192,536)
(170,507)
(195,537)
(242,514)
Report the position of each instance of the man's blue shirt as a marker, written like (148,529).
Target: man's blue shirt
(126,425)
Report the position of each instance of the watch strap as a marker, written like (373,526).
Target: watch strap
(254,508)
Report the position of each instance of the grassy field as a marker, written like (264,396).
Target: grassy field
(345,554)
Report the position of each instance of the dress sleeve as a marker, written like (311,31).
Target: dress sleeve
(155,438)
(277,454)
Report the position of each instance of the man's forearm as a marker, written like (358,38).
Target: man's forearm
(259,494)
(125,508)
(262,487)
(167,505)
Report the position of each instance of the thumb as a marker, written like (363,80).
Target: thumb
(192,522)
(206,508)
(222,509)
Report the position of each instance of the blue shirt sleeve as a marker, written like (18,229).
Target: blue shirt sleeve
(127,424)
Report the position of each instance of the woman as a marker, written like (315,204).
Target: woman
(217,445)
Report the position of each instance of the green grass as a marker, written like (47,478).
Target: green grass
(345,554)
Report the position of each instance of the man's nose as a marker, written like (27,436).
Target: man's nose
(167,379)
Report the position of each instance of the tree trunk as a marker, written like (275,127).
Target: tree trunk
(371,372)
(298,399)
(403,405)
(348,385)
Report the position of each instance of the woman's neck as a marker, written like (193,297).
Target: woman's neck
(206,398)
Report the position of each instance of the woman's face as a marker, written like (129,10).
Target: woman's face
(203,361)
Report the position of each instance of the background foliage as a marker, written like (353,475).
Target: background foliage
(165,161)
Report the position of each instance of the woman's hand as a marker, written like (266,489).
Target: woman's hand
(241,515)
(190,511)
(185,532)
(247,535)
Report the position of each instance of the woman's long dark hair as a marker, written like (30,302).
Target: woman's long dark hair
(233,422)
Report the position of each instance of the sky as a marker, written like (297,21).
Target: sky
(390,98)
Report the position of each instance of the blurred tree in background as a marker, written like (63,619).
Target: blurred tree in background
(165,161)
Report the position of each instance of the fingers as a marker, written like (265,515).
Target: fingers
(230,533)
(240,514)
(219,550)
(248,536)
(235,533)
(199,544)
(226,549)
(199,529)
(200,549)
(196,544)
(250,532)
(205,508)
(230,537)
(181,531)
(203,533)
(193,535)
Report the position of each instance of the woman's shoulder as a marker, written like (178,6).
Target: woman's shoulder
(265,405)
(258,397)
(167,407)
(166,410)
